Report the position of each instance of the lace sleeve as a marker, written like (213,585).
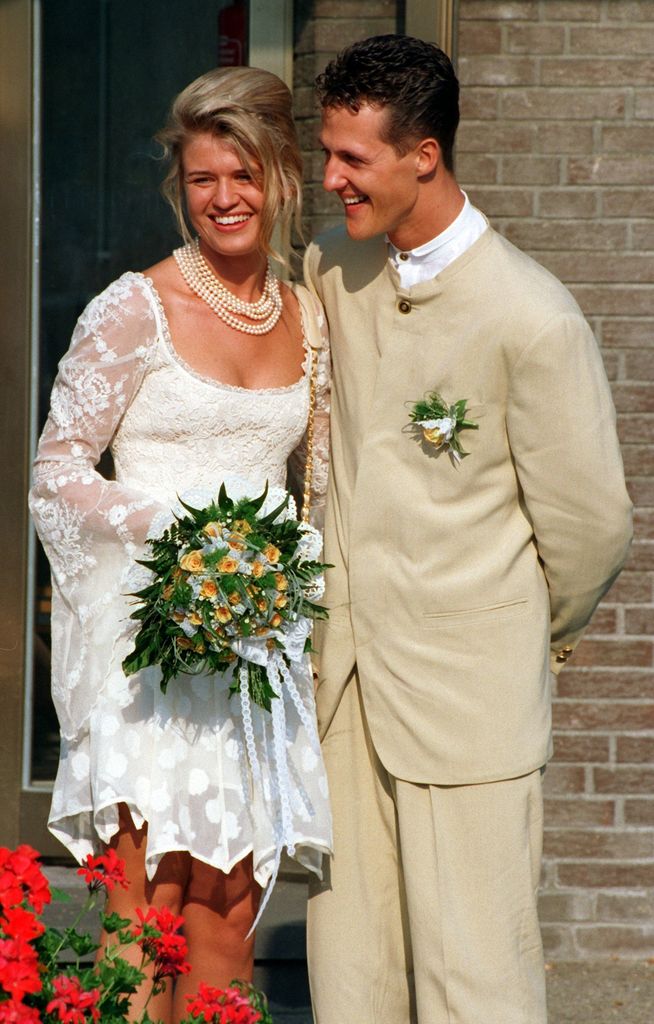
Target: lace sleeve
(318,338)
(91,528)
(73,506)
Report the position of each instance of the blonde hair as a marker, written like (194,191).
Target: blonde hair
(251,110)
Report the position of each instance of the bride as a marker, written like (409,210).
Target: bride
(201,370)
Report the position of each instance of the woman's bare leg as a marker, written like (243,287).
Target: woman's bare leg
(166,889)
(218,911)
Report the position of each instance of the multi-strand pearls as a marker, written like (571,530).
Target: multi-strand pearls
(264,313)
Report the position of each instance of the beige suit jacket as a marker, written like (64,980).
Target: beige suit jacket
(456,590)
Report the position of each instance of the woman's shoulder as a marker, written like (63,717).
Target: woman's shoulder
(130,293)
(119,318)
(163,274)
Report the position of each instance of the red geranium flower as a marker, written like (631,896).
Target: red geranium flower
(21,879)
(158,937)
(17,923)
(12,1011)
(104,872)
(222,1006)
(19,968)
(72,1004)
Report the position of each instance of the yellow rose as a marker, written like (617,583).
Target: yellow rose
(280,581)
(183,643)
(213,529)
(228,564)
(177,573)
(178,616)
(281,601)
(199,647)
(208,589)
(236,542)
(258,569)
(275,620)
(433,436)
(192,561)
(195,618)
(242,526)
(222,614)
(438,431)
(261,630)
(167,591)
(261,604)
(272,553)
(234,598)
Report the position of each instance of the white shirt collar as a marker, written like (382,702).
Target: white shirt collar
(426,261)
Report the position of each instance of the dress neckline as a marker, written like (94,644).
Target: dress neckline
(213,381)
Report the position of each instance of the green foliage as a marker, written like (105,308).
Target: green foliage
(221,574)
(434,407)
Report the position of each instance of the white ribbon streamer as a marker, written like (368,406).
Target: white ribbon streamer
(280,679)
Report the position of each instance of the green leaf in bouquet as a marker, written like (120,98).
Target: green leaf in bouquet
(250,506)
(225,503)
(195,512)
(137,660)
(269,519)
(261,691)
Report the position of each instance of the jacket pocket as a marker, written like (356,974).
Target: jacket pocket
(486,613)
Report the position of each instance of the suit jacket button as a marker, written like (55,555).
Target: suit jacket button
(561,657)
(567,650)
(404,306)
(403,255)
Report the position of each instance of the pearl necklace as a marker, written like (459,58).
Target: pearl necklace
(200,278)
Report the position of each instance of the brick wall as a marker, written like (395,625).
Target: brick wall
(556,146)
(322,28)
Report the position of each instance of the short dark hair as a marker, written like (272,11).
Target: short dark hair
(413,79)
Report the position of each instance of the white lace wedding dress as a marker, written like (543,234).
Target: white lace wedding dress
(179,760)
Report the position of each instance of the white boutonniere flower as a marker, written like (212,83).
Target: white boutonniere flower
(438,424)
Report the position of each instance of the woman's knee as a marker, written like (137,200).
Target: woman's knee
(233,896)
(170,879)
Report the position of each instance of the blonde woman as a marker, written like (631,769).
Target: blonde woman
(192,373)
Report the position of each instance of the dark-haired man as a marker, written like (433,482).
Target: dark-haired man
(460,581)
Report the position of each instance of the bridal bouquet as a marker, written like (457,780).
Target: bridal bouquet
(233,587)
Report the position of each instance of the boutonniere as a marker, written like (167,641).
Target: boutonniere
(438,424)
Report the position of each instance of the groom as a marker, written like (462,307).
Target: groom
(460,582)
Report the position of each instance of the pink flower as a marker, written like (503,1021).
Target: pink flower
(72,1004)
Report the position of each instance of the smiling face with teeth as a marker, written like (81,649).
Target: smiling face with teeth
(381,189)
(223,200)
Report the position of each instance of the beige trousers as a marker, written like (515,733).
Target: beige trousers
(427,912)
